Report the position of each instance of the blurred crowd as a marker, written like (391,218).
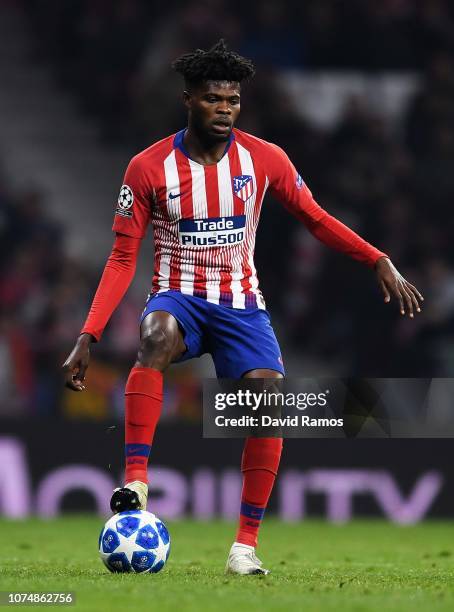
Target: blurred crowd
(45,297)
(394,184)
(115,54)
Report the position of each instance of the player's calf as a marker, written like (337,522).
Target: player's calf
(161,342)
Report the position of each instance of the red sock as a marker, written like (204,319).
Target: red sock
(259,465)
(143,407)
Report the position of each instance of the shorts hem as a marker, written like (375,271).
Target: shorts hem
(246,369)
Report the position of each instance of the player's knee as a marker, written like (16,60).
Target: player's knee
(158,346)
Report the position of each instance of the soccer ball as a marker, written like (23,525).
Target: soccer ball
(134,541)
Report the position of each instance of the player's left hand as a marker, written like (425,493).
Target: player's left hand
(393,283)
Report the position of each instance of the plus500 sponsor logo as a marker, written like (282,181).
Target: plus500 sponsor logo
(215,231)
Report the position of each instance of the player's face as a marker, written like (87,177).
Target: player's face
(213,108)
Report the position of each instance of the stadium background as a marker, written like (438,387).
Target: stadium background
(361,96)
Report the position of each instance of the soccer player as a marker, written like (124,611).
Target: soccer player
(202,189)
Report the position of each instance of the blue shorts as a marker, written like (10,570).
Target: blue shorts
(238,340)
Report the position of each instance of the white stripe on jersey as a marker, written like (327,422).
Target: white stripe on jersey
(200,211)
(174,211)
(172,182)
(225,187)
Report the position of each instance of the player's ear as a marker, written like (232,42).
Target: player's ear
(187,99)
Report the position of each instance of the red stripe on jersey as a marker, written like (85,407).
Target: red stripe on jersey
(260,182)
(260,187)
(238,207)
(212,190)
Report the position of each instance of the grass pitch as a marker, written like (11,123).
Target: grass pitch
(362,566)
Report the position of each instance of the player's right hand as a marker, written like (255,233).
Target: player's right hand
(76,364)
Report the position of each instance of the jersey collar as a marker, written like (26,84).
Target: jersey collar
(178,142)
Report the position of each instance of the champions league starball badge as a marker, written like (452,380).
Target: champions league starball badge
(125,201)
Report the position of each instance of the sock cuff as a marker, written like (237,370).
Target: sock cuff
(145,381)
(236,543)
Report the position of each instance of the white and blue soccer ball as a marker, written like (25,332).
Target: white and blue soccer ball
(134,541)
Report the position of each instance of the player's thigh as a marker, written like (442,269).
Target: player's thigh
(244,342)
(186,324)
(160,338)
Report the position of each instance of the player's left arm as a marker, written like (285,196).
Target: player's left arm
(289,188)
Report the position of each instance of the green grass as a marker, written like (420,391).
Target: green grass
(362,566)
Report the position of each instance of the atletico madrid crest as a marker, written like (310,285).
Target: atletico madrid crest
(243,186)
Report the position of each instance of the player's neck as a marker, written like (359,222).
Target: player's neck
(201,150)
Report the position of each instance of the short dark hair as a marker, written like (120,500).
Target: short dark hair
(217,64)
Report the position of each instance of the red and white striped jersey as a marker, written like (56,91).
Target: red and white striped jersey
(205,217)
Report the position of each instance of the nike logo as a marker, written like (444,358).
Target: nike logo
(173,197)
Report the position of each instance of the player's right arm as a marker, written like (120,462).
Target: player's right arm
(116,278)
(132,216)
